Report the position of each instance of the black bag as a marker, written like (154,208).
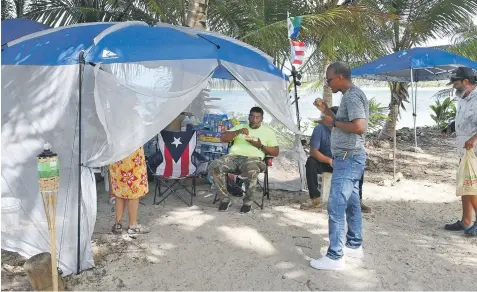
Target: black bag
(152,162)
(235,187)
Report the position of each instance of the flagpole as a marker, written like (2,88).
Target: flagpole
(295,75)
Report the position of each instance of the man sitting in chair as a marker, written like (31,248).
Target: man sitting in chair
(251,143)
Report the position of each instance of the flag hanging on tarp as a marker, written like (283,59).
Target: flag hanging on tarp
(297,52)
(294,26)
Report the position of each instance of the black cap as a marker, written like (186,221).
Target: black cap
(462,73)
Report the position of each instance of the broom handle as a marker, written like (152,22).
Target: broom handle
(54,269)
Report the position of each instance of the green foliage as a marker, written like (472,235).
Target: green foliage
(377,115)
(443,112)
(465,43)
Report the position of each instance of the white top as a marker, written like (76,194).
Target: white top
(466,120)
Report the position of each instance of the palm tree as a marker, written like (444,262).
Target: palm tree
(416,21)
(197,15)
(13,8)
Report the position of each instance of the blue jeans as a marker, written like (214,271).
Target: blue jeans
(344,198)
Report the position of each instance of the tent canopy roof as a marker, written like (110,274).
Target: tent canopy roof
(427,64)
(13,29)
(128,42)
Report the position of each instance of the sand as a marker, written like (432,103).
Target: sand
(199,248)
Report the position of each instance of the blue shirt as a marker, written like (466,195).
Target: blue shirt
(321,140)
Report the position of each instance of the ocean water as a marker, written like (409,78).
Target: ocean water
(238,101)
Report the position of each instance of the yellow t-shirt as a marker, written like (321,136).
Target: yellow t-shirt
(243,148)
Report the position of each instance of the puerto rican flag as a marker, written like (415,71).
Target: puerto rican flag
(297,52)
(177,149)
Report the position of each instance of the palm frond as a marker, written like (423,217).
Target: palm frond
(66,12)
(8,9)
(465,43)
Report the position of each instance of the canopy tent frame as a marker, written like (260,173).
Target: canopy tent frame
(418,62)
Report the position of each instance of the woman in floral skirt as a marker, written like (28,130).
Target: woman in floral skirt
(129,184)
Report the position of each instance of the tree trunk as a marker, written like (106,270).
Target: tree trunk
(38,270)
(197,15)
(399,93)
(327,95)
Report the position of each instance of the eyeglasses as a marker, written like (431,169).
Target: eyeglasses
(252,117)
(328,80)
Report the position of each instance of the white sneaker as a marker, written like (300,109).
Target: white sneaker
(356,253)
(325,263)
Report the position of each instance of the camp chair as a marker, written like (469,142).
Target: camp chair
(265,186)
(176,149)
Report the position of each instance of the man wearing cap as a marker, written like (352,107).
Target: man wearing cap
(464,81)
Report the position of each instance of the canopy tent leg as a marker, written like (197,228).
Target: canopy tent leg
(80,88)
(301,167)
(414,107)
(394,109)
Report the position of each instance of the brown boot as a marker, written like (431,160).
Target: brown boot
(364,208)
(311,204)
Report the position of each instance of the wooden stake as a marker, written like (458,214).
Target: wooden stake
(38,270)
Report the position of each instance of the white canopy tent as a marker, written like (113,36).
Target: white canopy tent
(97,92)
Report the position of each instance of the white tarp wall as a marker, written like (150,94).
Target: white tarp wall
(44,111)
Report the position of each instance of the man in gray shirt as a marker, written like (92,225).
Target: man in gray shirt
(349,158)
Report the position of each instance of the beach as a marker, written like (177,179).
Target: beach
(199,248)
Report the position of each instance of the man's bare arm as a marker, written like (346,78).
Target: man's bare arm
(271,151)
(315,153)
(357,126)
(230,135)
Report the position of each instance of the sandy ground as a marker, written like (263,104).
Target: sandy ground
(199,248)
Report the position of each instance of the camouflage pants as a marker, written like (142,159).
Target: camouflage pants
(247,167)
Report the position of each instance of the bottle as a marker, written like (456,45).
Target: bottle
(184,123)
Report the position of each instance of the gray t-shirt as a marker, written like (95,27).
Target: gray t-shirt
(354,105)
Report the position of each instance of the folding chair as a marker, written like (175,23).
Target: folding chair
(265,187)
(176,167)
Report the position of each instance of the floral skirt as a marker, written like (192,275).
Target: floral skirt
(129,176)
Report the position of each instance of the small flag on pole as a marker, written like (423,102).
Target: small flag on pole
(297,52)
(294,26)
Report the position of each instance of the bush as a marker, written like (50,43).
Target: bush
(444,112)
(378,115)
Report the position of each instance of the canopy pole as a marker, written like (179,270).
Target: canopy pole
(415,108)
(413,100)
(298,137)
(80,87)
(395,109)
(294,75)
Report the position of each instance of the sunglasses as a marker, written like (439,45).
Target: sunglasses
(328,80)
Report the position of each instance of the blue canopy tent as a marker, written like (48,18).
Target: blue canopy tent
(15,28)
(413,65)
(97,92)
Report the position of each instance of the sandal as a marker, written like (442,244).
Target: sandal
(457,226)
(117,228)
